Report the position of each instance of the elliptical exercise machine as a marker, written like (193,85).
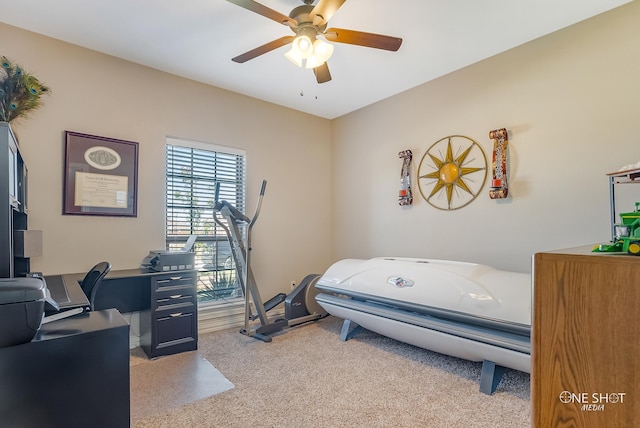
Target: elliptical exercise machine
(300,305)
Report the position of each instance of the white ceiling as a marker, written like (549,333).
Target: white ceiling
(197,39)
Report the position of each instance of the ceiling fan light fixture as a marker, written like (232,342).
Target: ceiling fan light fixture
(303,46)
(321,53)
(294,56)
(322,50)
(313,62)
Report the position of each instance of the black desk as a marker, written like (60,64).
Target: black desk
(74,373)
(126,290)
(167,302)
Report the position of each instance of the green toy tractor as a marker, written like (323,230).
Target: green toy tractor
(627,235)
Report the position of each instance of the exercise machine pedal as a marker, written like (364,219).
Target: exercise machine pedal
(274,301)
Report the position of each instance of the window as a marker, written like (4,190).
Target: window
(193,170)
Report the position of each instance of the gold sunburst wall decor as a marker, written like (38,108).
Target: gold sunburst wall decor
(452,172)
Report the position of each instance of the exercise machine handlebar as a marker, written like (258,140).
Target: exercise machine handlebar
(259,204)
(235,214)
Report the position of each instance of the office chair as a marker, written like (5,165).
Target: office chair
(92,280)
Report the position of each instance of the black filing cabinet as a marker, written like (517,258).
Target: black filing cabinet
(171,323)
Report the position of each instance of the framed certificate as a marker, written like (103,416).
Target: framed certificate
(101,176)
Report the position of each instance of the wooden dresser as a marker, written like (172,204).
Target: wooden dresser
(585,339)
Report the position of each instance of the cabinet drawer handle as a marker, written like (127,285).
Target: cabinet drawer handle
(177,314)
(171,278)
(176,296)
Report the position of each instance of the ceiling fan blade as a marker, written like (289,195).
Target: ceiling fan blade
(378,41)
(256,7)
(267,47)
(322,73)
(324,10)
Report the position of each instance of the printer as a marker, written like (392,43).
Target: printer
(22,303)
(167,261)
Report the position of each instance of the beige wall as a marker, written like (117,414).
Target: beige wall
(571,102)
(101,95)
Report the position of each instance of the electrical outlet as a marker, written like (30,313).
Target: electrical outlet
(293,285)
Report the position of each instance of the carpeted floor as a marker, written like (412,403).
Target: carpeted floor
(169,382)
(307,377)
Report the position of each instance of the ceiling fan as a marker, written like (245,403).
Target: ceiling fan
(308,22)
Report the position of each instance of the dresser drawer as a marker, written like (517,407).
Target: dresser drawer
(176,297)
(169,281)
(175,327)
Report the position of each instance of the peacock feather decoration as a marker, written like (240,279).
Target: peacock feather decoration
(20,91)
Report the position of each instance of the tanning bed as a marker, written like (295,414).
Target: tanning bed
(466,310)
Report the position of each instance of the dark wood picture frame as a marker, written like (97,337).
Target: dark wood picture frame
(100,176)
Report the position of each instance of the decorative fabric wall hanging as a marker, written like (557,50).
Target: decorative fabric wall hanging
(405,196)
(499,186)
(452,172)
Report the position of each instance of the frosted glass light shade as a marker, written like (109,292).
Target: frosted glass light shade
(294,56)
(303,45)
(322,51)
